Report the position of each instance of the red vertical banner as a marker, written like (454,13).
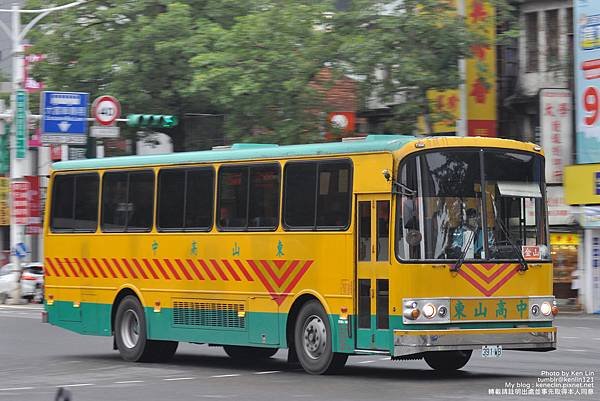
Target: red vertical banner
(34,224)
(20,203)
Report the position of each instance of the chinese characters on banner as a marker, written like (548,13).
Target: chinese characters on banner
(480,81)
(34,224)
(555,115)
(4,209)
(20,204)
(587,80)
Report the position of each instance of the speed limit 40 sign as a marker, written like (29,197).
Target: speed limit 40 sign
(106,110)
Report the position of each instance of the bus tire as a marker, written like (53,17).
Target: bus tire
(131,337)
(313,341)
(249,353)
(447,361)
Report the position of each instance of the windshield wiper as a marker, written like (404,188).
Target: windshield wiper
(463,254)
(522,261)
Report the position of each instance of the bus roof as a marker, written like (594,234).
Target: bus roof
(254,151)
(246,151)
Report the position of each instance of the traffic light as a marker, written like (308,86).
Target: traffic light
(151,120)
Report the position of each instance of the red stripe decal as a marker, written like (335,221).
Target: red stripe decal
(99,267)
(89,266)
(62,267)
(195,269)
(161,269)
(54,269)
(218,269)
(236,277)
(298,276)
(264,280)
(492,290)
(81,269)
(243,269)
(485,278)
(150,269)
(279,263)
(73,270)
(207,269)
(128,266)
(271,272)
(121,271)
(173,270)
(110,269)
(140,269)
(183,269)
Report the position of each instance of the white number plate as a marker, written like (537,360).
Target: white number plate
(491,351)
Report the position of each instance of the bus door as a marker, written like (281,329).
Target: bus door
(373,263)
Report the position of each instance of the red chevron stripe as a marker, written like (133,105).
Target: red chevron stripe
(97,264)
(504,280)
(492,290)
(173,270)
(129,268)
(243,269)
(62,267)
(119,268)
(109,268)
(81,269)
(280,280)
(195,269)
(231,271)
(140,269)
(206,269)
(73,270)
(264,280)
(52,268)
(298,276)
(483,276)
(161,269)
(488,266)
(183,269)
(279,263)
(150,269)
(218,269)
(89,266)
(47,271)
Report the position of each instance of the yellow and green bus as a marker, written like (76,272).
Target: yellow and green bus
(388,244)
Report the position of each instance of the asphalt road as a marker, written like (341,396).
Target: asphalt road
(36,359)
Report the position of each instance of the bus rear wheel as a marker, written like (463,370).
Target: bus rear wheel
(249,353)
(313,341)
(447,361)
(131,336)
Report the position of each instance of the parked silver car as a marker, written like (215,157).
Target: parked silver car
(29,280)
(10,277)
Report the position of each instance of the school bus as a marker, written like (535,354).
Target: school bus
(388,244)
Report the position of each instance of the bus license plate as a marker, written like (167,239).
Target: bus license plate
(491,351)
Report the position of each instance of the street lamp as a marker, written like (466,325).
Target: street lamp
(18,165)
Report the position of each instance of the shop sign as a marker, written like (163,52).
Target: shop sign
(34,224)
(4,209)
(20,204)
(564,239)
(559,213)
(555,136)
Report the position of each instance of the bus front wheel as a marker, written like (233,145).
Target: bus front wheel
(447,361)
(131,336)
(313,341)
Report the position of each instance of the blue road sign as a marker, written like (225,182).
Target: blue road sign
(64,117)
(21,250)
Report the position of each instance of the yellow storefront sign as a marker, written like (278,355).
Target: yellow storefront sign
(582,184)
(464,310)
(564,239)
(4,209)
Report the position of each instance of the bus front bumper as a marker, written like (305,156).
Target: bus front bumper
(408,342)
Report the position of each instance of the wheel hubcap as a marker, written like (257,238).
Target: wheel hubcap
(130,329)
(314,337)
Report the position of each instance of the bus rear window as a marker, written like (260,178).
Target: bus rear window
(75,203)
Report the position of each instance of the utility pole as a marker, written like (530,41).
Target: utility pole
(19,165)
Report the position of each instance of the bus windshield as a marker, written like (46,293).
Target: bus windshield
(450,215)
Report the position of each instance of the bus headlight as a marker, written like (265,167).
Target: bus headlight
(428,311)
(546,308)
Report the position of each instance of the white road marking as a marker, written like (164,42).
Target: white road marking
(178,378)
(130,381)
(77,385)
(570,338)
(16,388)
(596,338)
(387,358)
(8,314)
(366,361)
(574,350)
(232,375)
(268,372)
